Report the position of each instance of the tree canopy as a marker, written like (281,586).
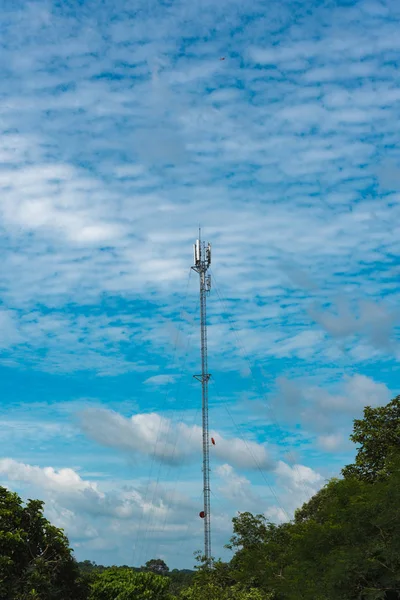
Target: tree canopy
(35,558)
(126,584)
(157,566)
(378,436)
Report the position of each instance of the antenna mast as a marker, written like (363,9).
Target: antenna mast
(202,261)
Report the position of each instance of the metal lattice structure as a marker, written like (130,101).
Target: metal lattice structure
(202,261)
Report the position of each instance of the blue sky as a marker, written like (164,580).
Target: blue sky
(121,132)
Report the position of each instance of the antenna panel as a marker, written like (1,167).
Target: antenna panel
(208,254)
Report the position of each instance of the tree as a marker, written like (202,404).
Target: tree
(126,584)
(157,566)
(218,583)
(378,434)
(344,543)
(348,547)
(35,558)
(310,509)
(248,530)
(180,579)
(211,591)
(261,549)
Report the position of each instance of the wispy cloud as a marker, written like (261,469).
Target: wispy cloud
(161,125)
(159,380)
(325,414)
(375,321)
(168,441)
(92,515)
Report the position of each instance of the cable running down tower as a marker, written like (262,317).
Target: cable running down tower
(202,261)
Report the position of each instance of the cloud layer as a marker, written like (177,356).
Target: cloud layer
(99,153)
(169,442)
(132,522)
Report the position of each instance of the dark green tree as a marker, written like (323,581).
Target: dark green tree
(180,579)
(344,543)
(349,546)
(378,436)
(261,551)
(157,566)
(35,558)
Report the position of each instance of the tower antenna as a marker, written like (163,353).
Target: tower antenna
(202,261)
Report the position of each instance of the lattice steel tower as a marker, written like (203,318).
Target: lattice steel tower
(202,261)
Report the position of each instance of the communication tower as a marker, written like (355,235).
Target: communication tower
(202,261)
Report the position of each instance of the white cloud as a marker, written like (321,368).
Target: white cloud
(170,442)
(358,391)
(92,516)
(122,224)
(331,442)
(297,276)
(67,483)
(276,514)
(373,320)
(76,526)
(321,410)
(298,476)
(160,380)
(234,485)
(291,486)
(364,391)
(65,479)
(77,494)
(242,453)
(9,333)
(296,485)
(237,491)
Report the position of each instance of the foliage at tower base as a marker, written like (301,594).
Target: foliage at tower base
(35,559)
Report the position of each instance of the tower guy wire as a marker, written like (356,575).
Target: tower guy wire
(202,261)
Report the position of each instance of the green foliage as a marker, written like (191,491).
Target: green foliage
(157,566)
(126,584)
(249,530)
(211,591)
(349,548)
(35,558)
(180,579)
(310,510)
(344,544)
(378,435)
(261,551)
(88,566)
(217,583)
